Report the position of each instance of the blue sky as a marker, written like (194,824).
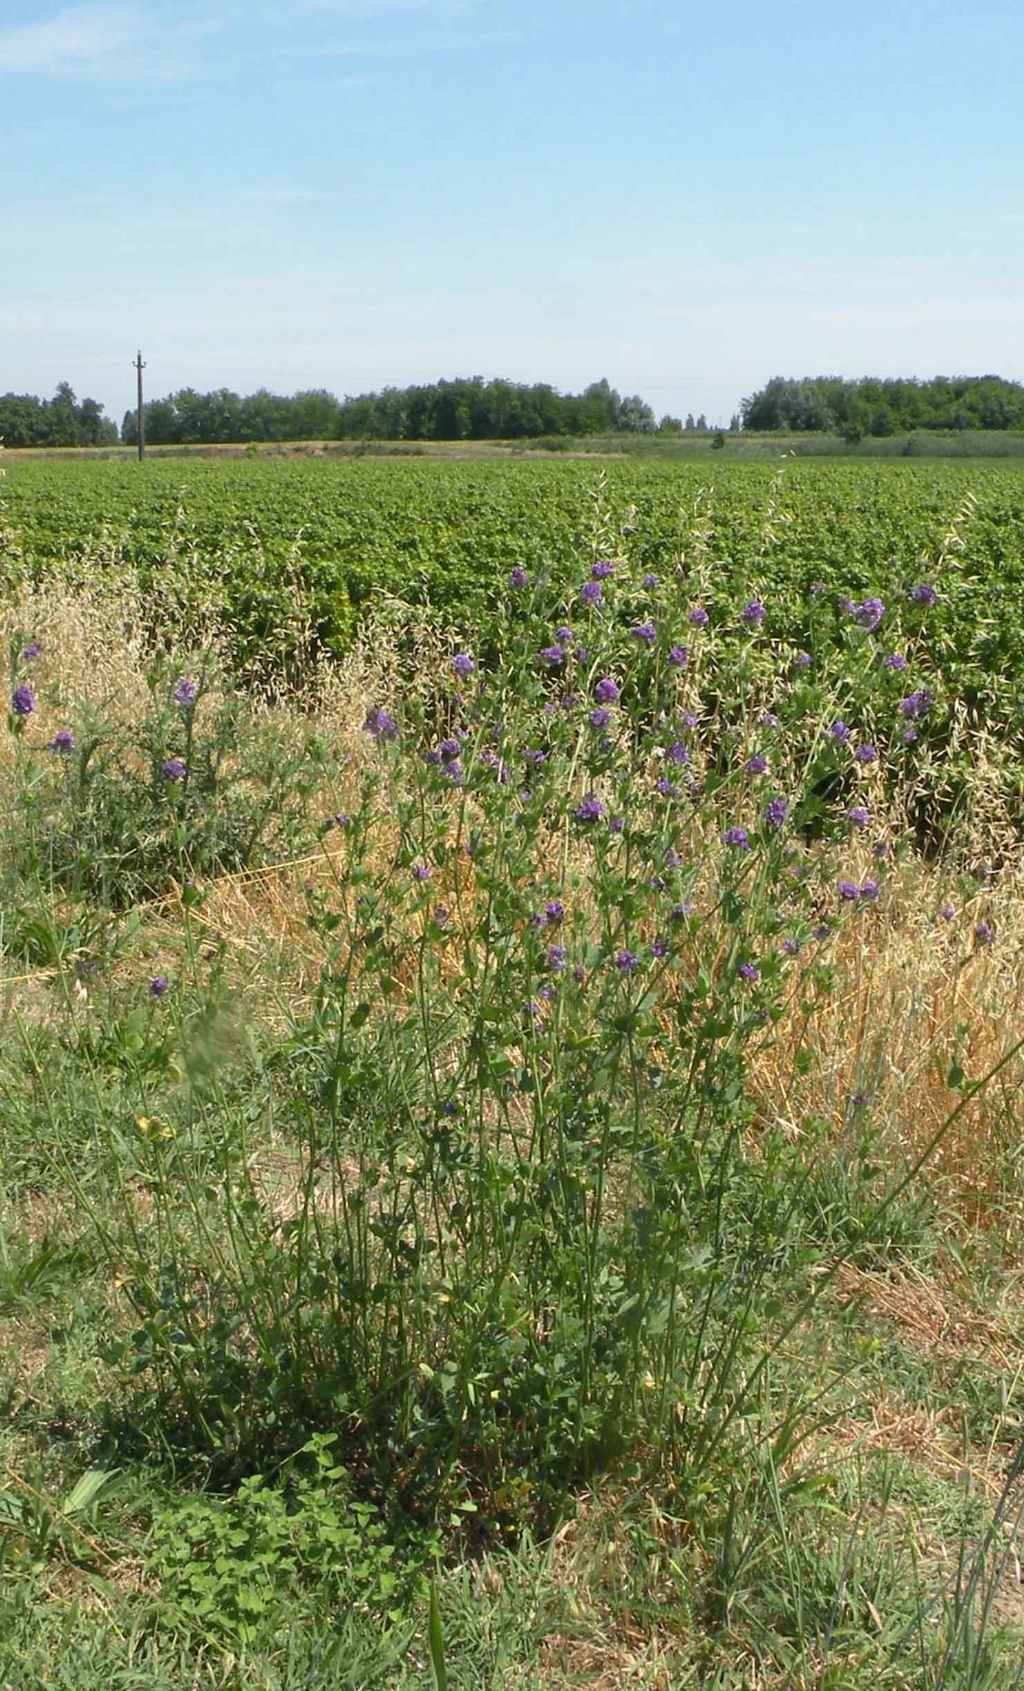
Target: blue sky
(685,198)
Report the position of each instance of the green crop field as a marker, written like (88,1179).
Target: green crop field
(511,1007)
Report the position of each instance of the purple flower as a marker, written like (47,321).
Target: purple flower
(984,934)
(679,912)
(556,957)
(869,614)
(602,569)
(606,691)
(554,910)
(791,947)
(591,593)
(869,889)
(823,931)
(756,765)
(660,947)
(600,717)
(848,890)
(775,812)
(672,859)
(63,741)
(678,657)
(518,578)
(917,704)
(802,660)
(677,753)
(768,719)
(896,661)
(449,749)
(859,815)
(646,632)
(552,656)
(839,732)
(463,664)
(185,692)
(753,614)
(173,769)
(626,961)
(564,635)
(699,617)
(749,972)
(491,760)
(532,1009)
(737,837)
(866,753)
(32,651)
(948,912)
(380,725)
(158,986)
(667,789)
(341,819)
(534,755)
(616,824)
(420,872)
(650,582)
(442,915)
(924,594)
(591,810)
(23,701)
(908,736)
(548,992)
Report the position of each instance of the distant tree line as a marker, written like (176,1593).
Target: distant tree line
(876,406)
(26,420)
(468,408)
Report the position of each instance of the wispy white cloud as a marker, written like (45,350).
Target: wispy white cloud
(106,41)
(362,11)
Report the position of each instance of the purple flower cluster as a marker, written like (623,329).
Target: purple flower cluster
(868,613)
(737,837)
(606,691)
(551,656)
(645,632)
(923,594)
(678,657)
(380,725)
(851,892)
(776,811)
(518,578)
(917,704)
(63,741)
(591,810)
(23,701)
(602,569)
(173,769)
(753,614)
(699,617)
(185,692)
(591,593)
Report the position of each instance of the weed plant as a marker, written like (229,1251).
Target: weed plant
(532,1228)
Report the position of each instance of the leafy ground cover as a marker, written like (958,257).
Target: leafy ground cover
(511,1146)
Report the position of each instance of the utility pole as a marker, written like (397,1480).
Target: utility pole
(138,367)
